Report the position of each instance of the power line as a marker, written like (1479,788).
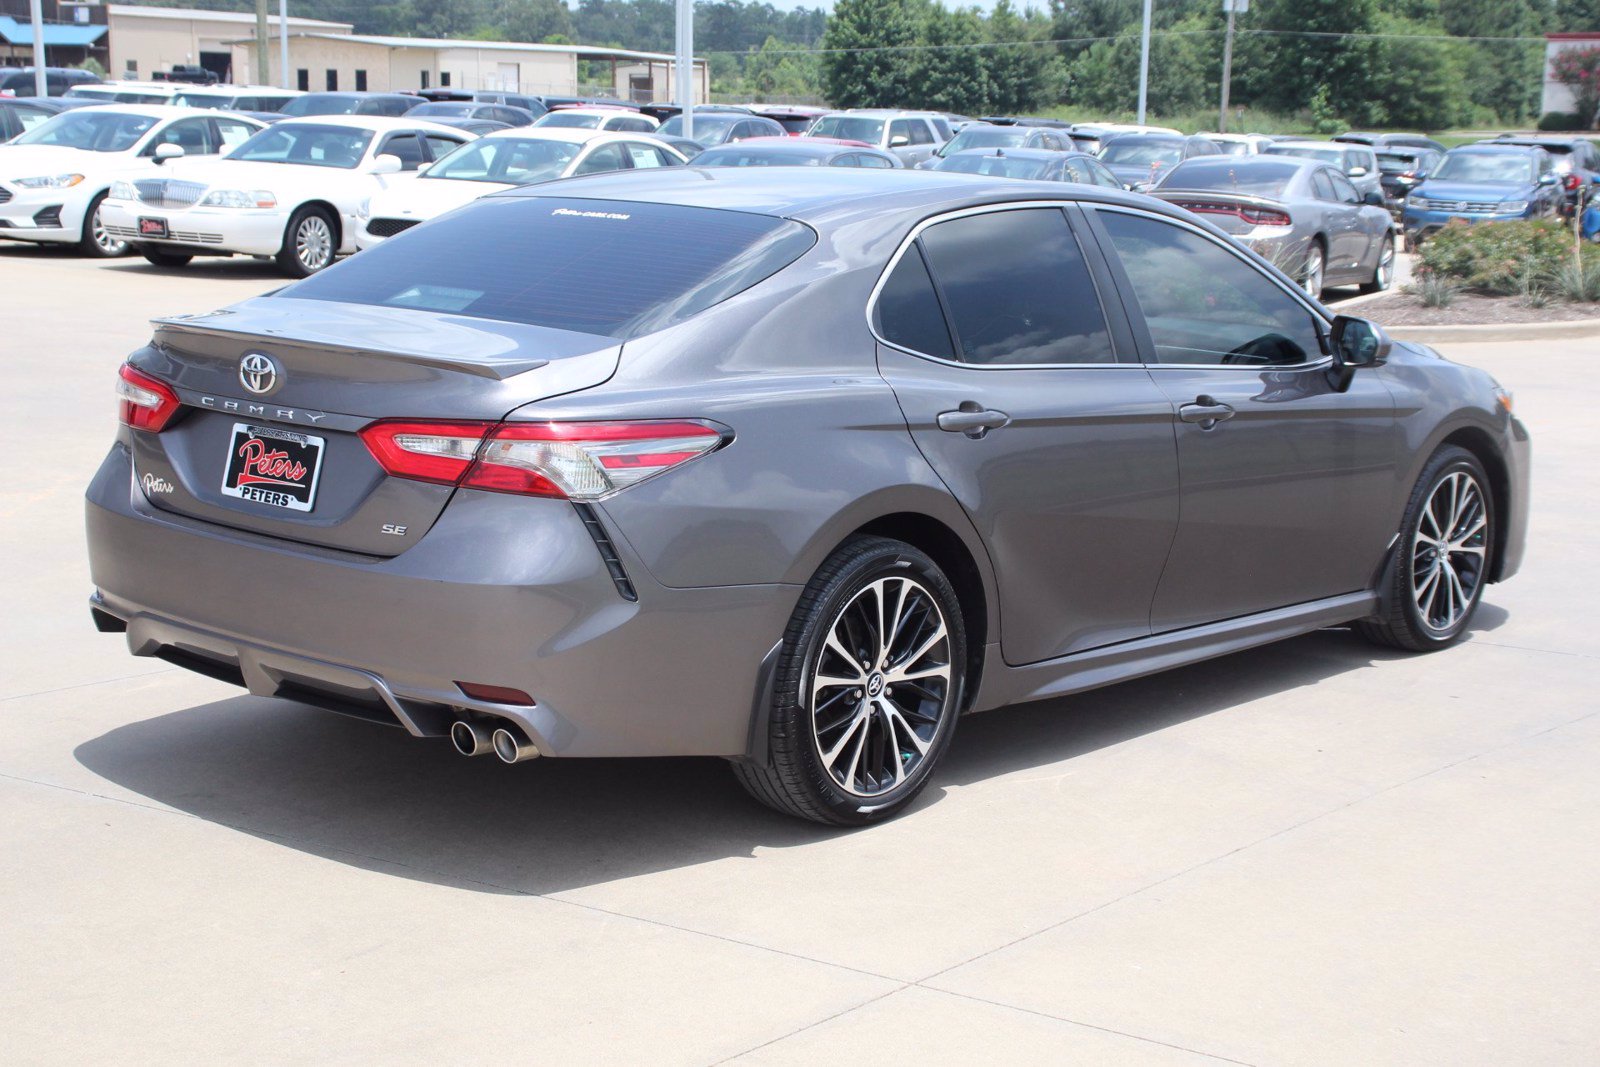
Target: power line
(1119,36)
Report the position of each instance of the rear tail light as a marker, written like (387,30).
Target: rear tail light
(1265,216)
(1256,216)
(564,460)
(146,403)
(425,451)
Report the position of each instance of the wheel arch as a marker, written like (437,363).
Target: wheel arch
(946,548)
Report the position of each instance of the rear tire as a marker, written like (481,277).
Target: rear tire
(1441,561)
(858,721)
(95,241)
(1383,272)
(156,257)
(309,243)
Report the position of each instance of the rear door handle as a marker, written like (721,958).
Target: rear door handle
(1206,412)
(972,419)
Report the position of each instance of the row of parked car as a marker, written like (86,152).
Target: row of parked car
(326,174)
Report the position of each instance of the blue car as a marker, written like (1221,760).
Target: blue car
(1483,183)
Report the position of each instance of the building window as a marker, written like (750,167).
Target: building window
(424,79)
(444,77)
(302,80)
(133,66)
(361,81)
(333,81)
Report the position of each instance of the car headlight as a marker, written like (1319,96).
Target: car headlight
(240,198)
(51,181)
(121,190)
(1421,203)
(1511,207)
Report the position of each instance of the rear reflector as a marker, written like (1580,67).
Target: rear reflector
(563,460)
(146,403)
(495,694)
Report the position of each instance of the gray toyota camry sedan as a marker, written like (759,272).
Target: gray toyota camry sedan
(793,467)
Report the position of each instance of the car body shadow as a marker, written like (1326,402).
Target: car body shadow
(380,800)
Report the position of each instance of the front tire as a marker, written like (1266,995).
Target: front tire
(1315,270)
(1383,273)
(159,258)
(309,243)
(95,241)
(1441,560)
(869,685)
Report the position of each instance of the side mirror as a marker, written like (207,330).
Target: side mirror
(1359,342)
(165,152)
(1357,172)
(1547,179)
(899,140)
(1372,198)
(386,164)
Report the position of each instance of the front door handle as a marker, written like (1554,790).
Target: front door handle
(1206,412)
(972,419)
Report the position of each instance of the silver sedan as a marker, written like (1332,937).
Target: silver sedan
(1301,214)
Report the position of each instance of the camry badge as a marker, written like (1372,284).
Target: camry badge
(258,373)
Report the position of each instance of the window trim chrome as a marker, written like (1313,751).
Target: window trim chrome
(1318,313)
(984,209)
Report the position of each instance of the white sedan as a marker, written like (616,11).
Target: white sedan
(288,193)
(54,178)
(502,160)
(610,119)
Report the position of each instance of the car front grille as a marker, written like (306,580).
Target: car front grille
(131,233)
(390,227)
(168,192)
(1464,206)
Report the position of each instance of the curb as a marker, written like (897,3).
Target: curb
(1526,331)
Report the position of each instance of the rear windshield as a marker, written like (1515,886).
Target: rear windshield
(849,128)
(587,276)
(1397,162)
(1257,177)
(758,156)
(315,104)
(996,166)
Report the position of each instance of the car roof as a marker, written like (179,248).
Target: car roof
(823,196)
(1043,154)
(1152,138)
(1262,160)
(608,111)
(1342,146)
(152,111)
(376,123)
(816,146)
(570,134)
(1501,148)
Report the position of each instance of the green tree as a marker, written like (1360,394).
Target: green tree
(1021,77)
(870,59)
(1185,70)
(953,71)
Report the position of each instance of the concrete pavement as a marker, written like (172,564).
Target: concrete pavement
(1314,853)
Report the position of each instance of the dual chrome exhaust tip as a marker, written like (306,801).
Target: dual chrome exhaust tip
(506,740)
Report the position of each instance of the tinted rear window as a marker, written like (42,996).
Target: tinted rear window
(612,268)
(1258,177)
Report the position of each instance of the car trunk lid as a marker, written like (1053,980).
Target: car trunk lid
(275,391)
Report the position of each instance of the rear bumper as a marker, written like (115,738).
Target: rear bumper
(502,590)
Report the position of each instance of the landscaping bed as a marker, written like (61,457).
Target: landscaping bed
(1469,309)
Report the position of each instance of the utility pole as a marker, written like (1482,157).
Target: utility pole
(263,42)
(41,87)
(1144,63)
(283,44)
(685,64)
(1230,6)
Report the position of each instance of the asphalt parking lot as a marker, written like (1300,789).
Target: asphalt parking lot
(1312,853)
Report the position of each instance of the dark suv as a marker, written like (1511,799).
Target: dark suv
(57,80)
(1576,160)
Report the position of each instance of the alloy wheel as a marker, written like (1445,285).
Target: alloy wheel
(880,686)
(1315,264)
(1448,551)
(313,243)
(108,245)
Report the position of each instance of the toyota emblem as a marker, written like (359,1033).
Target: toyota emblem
(258,373)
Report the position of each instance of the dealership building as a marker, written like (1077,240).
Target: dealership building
(136,42)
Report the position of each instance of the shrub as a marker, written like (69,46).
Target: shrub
(1495,257)
(1560,121)
(1579,280)
(1433,290)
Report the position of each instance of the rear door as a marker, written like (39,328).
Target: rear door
(1285,477)
(1018,380)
